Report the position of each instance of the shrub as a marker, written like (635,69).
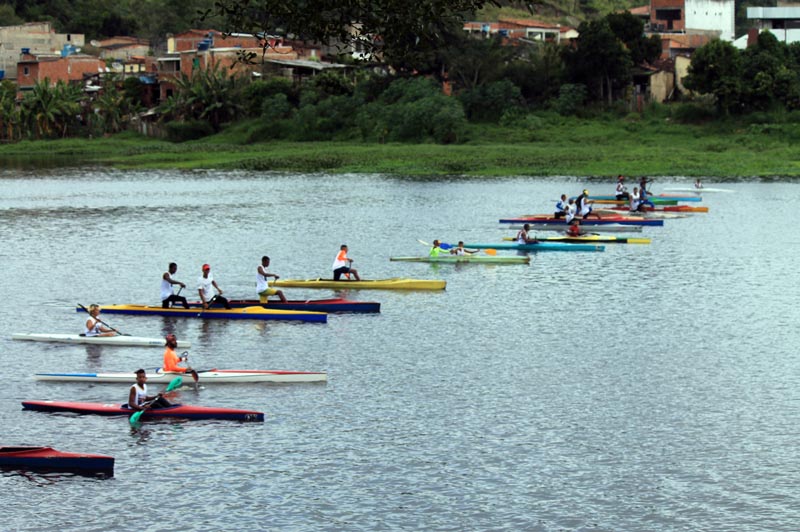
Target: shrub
(489,102)
(190,130)
(571,98)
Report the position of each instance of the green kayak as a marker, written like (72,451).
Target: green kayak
(458,259)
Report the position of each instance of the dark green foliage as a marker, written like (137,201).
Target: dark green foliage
(330,118)
(692,113)
(571,99)
(488,103)
(191,130)
(256,92)
(600,61)
(470,62)
(715,69)
(276,108)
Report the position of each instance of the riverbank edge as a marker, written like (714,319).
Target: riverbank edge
(586,151)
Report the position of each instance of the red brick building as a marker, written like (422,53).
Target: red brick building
(72,68)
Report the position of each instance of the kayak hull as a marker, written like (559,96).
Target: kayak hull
(212,376)
(610,228)
(246,313)
(541,246)
(175,411)
(622,220)
(137,341)
(397,283)
(49,459)
(667,208)
(657,197)
(331,306)
(465,259)
(593,239)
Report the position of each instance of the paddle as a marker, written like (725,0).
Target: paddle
(102,322)
(208,304)
(190,371)
(173,385)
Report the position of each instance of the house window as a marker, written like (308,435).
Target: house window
(26,71)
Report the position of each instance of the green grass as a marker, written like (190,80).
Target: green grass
(555,145)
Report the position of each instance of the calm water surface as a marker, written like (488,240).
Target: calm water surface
(644,388)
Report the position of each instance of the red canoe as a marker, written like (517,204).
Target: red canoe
(174,411)
(49,459)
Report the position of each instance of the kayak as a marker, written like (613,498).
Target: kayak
(210,376)
(651,197)
(138,341)
(251,313)
(655,201)
(471,259)
(332,305)
(396,283)
(547,219)
(583,239)
(608,228)
(49,459)
(540,246)
(666,208)
(698,190)
(174,411)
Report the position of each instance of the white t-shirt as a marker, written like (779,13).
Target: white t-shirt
(94,330)
(261,280)
(166,289)
(141,393)
(204,284)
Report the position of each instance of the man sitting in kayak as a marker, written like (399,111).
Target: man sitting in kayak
(523,237)
(622,190)
(138,398)
(575,228)
(436,250)
(343,265)
(583,205)
(562,207)
(94,326)
(263,288)
(460,250)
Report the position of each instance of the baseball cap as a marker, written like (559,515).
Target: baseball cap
(206,267)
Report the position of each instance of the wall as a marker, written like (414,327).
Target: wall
(711,15)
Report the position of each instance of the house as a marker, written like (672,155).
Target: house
(782,21)
(711,18)
(32,68)
(514,29)
(37,38)
(122,48)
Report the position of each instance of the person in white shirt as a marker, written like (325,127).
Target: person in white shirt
(95,326)
(622,190)
(206,286)
(263,288)
(524,238)
(167,296)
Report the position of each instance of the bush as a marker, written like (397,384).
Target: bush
(693,113)
(260,90)
(571,98)
(489,102)
(191,130)
(275,108)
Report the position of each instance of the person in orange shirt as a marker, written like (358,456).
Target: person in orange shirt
(343,265)
(171,359)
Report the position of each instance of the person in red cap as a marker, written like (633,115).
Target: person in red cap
(206,286)
(622,190)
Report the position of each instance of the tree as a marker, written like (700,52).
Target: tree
(471,62)
(630,30)
(398,28)
(716,69)
(600,61)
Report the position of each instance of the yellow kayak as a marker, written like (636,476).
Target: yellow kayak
(247,313)
(396,283)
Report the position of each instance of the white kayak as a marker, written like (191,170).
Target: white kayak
(211,376)
(138,341)
(698,190)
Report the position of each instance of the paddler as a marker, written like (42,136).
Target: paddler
(460,250)
(94,326)
(138,398)
(262,283)
(575,228)
(171,359)
(436,250)
(167,295)
(622,190)
(583,205)
(697,184)
(523,237)
(205,287)
(343,265)
(644,194)
(562,207)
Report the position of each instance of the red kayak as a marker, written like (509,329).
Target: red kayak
(174,411)
(49,459)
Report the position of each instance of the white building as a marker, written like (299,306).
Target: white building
(711,15)
(782,21)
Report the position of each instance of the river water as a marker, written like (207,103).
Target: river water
(649,387)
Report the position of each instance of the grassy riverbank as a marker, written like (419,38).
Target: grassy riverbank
(550,146)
